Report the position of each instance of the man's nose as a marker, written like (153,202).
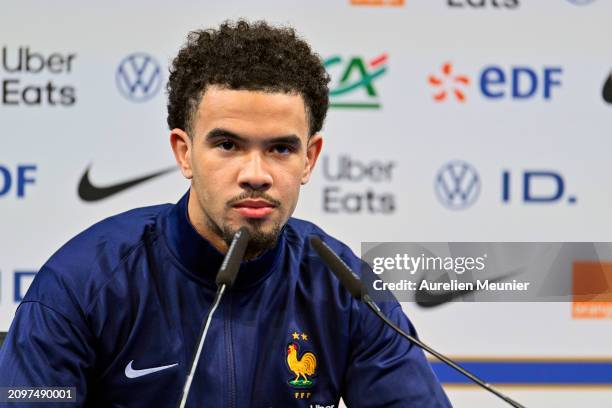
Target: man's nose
(254,175)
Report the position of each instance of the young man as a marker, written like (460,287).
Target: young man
(117,311)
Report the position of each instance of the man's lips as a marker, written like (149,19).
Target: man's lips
(254,208)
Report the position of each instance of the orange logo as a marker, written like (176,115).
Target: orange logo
(448,84)
(592,290)
(377,2)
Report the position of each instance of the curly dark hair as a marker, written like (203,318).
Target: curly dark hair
(250,56)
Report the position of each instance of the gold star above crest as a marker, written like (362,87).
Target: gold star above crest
(304,337)
(296,336)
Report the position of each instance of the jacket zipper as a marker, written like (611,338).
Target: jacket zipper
(231,368)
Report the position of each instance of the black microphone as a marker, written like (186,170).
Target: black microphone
(231,263)
(225,279)
(342,271)
(356,288)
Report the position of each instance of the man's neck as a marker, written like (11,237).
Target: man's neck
(198,220)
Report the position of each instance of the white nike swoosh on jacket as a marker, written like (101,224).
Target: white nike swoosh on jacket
(133,373)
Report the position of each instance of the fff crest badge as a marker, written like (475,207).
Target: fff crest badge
(301,364)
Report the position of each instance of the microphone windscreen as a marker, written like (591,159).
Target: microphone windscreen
(231,263)
(342,271)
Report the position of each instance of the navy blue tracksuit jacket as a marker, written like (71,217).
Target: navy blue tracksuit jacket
(116,313)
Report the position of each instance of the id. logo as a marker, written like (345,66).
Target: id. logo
(354,86)
(139,77)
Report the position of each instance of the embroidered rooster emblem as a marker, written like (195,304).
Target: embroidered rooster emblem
(303,366)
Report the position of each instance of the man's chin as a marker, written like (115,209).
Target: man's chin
(263,235)
(256,226)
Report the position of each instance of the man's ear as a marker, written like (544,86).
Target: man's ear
(181,146)
(315,144)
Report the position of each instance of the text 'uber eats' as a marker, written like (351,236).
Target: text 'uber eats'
(32,78)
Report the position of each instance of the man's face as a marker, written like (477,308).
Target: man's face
(248,154)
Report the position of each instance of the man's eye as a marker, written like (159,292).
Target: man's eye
(227,145)
(282,149)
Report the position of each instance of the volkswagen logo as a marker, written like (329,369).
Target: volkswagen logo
(139,77)
(457,185)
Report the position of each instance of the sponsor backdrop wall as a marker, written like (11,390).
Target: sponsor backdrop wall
(451,120)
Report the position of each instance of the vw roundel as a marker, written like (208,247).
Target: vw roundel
(457,185)
(139,77)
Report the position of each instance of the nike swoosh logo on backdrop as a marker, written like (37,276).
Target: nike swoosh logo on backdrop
(607,89)
(133,373)
(89,192)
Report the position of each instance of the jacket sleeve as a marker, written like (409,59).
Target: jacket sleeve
(44,349)
(385,369)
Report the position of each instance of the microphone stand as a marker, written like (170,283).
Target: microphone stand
(196,355)
(355,287)
(374,307)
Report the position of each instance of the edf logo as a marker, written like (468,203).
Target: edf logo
(16,179)
(519,82)
(497,83)
(139,77)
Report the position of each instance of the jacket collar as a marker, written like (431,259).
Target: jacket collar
(201,260)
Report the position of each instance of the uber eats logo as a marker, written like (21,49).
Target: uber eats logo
(36,78)
(354,81)
(356,187)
